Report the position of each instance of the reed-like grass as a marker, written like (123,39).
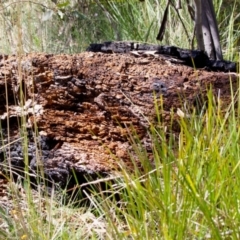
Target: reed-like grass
(191,191)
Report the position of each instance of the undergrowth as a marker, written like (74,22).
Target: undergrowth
(190,189)
(188,193)
(188,186)
(70,26)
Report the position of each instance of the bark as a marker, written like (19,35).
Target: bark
(207,33)
(207,37)
(213,26)
(198,24)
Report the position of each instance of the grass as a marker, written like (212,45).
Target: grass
(70,26)
(34,216)
(191,190)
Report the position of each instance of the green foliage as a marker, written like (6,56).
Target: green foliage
(192,189)
(187,188)
(70,26)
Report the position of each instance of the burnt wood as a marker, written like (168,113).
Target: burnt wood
(193,58)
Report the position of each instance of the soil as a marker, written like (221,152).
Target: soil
(80,109)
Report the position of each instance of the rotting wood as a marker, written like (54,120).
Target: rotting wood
(84,106)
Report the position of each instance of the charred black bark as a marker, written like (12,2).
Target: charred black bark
(193,58)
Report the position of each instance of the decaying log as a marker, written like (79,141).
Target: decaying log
(82,107)
(193,58)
